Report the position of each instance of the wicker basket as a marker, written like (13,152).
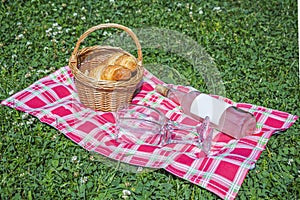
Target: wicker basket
(103,95)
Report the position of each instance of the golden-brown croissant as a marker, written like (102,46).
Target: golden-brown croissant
(115,73)
(127,61)
(123,59)
(125,67)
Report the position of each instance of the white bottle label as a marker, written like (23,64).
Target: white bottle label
(205,105)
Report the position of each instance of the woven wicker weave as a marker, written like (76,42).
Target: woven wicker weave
(103,95)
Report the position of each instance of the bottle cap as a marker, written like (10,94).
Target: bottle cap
(162,90)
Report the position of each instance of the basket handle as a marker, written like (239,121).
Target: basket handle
(108,25)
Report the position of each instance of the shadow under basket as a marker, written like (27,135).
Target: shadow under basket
(103,95)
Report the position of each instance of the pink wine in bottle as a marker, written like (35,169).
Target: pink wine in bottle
(223,116)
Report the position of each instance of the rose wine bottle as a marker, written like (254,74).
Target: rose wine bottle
(223,116)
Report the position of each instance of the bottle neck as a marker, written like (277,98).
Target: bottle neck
(176,96)
(173,94)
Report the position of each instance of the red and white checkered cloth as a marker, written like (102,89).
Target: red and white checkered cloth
(54,101)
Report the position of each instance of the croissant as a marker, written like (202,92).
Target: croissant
(115,73)
(119,66)
(127,61)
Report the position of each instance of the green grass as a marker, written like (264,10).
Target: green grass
(254,45)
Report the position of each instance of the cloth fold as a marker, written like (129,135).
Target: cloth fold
(54,101)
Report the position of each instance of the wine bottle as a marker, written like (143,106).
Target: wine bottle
(224,117)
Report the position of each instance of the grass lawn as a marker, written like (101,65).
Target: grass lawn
(254,45)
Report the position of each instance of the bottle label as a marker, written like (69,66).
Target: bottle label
(205,105)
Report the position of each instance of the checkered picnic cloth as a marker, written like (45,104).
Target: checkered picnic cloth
(54,101)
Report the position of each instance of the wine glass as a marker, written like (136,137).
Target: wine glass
(139,124)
